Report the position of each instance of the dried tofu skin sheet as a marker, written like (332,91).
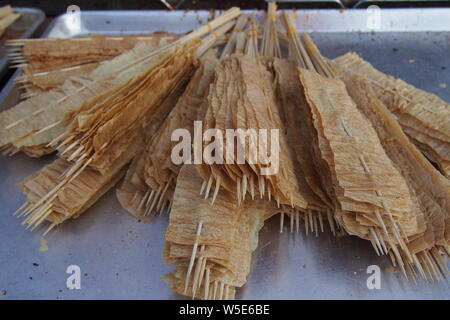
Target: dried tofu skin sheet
(117,162)
(291,101)
(21,125)
(130,64)
(54,67)
(358,165)
(133,190)
(234,252)
(428,149)
(71,198)
(225,241)
(422,115)
(115,120)
(150,181)
(114,158)
(52,53)
(35,83)
(183,222)
(40,119)
(429,186)
(151,126)
(242,96)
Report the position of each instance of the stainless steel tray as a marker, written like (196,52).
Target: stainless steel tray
(23,28)
(120,258)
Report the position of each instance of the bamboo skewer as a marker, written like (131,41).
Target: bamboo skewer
(227,16)
(231,45)
(270,46)
(251,48)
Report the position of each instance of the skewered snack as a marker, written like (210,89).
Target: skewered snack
(188,207)
(290,99)
(49,54)
(114,72)
(242,97)
(99,157)
(424,181)
(113,119)
(211,245)
(36,83)
(415,232)
(32,124)
(422,115)
(150,181)
(46,63)
(365,202)
(401,220)
(73,197)
(118,70)
(299,140)
(49,123)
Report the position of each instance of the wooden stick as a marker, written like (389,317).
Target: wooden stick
(270,45)
(232,41)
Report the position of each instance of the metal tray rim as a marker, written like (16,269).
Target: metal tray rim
(337,20)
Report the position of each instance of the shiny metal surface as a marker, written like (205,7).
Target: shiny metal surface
(120,258)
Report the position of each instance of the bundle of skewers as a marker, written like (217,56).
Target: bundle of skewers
(359,151)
